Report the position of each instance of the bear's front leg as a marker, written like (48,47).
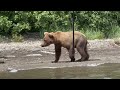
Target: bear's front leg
(57,53)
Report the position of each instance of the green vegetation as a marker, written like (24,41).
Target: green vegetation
(94,24)
(92,34)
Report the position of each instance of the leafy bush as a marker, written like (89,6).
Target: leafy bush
(5,24)
(19,27)
(101,23)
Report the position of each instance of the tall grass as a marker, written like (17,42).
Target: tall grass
(115,32)
(17,38)
(92,34)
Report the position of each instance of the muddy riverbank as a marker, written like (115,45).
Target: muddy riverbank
(29,55)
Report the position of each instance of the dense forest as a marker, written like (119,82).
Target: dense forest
(94,24)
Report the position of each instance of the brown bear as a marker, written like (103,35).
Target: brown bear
(65,39)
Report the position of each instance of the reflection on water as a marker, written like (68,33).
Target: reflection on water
(105,71)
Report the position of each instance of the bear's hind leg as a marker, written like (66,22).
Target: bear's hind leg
(86,51)
(81,48)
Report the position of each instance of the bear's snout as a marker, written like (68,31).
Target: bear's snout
(42,45)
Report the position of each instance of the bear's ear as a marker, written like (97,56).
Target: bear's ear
(45,33)
(50,35)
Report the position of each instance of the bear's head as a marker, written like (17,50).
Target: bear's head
(48,39)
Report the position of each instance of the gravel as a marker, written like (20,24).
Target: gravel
(35,45)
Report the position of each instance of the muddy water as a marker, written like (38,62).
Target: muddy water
(105,71)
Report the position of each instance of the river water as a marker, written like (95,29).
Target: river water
(104,71)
